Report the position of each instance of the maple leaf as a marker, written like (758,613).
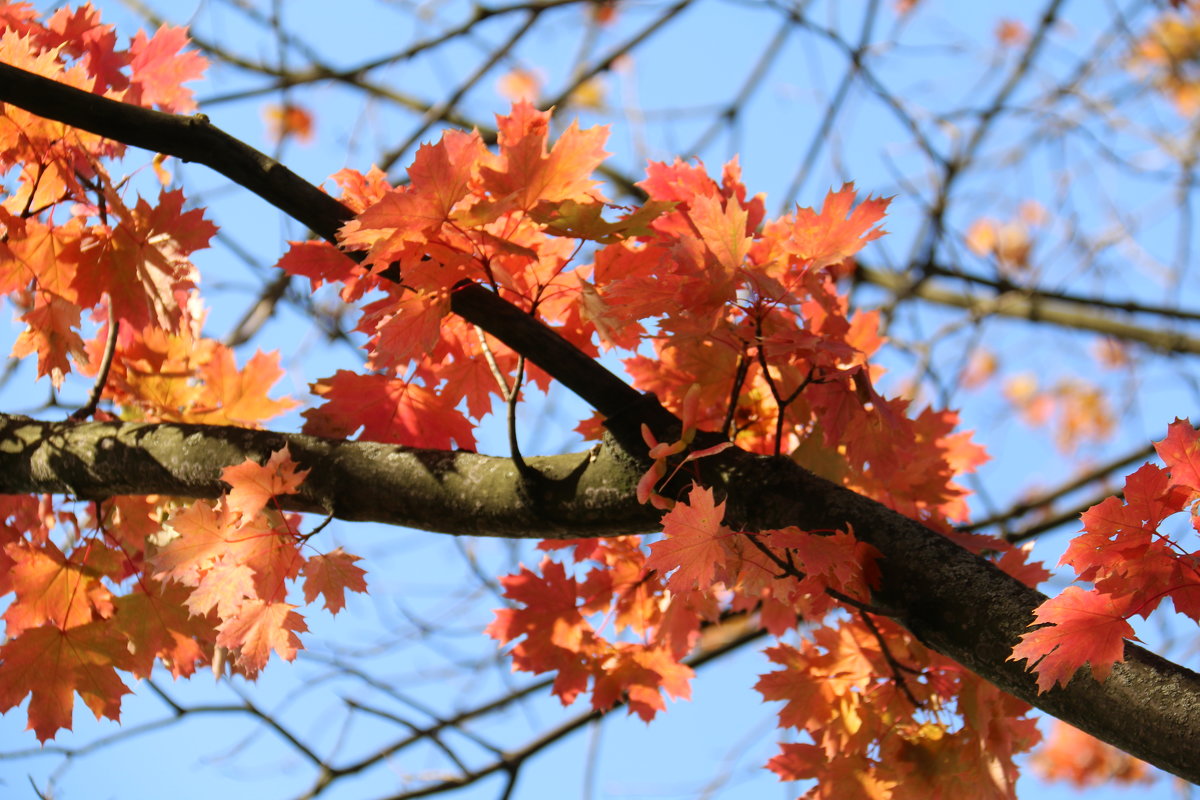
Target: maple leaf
(387,410)
(693,546)
(35,251)
(640,675)
(154,620)
(257,629)
(289,120)
(404,327)
(836,233)
(80,33)
(50,588)
(440,178)
(805,698)
(1180,451)
(253,486)
(1085,627)
(527,173)
(159,68)
(360,190)
(51,665)
(585,221)
(320,262)
(240,395)
(331,575)
(203,538)
(1072,755)
(53,333)
(142,263)
(838,557)
(550,608)
(722,228)
(222,588)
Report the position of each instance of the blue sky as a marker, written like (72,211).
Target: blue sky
(693,65)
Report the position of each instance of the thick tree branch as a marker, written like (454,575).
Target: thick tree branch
(578,495)
(957,603)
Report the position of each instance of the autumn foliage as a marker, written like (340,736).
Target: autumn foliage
(735,321)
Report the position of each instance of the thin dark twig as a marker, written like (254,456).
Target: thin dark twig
(110,349)
(739,378)
(789,569)
(898,669)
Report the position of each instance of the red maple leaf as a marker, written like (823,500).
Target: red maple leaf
(404,327)
(1085,627)
(1180,451)
(321,263)
(387,410)
(142,263)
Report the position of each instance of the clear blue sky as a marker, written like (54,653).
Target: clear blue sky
(725,736)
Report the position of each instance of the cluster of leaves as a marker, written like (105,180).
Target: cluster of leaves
(1131,562)
(751,337)
(130,581)
(734,321)
(186,585)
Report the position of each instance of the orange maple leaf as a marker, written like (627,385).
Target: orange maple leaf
(722,227)
(51,588)
(439,179)
(51,664)
(1085,627)
(142,263)
(239,396)
(331,575)
(1070,754)
(154,619)
(693,546)
(526,173)
(255,485)
(639,675)
(257,629)
(53,333)
(159,68)
(289,120)
(836,233)
(208,538)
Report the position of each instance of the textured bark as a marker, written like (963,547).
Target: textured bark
(575,495)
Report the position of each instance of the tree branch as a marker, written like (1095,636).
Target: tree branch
(1036,306)
(579,495)
(957,603)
